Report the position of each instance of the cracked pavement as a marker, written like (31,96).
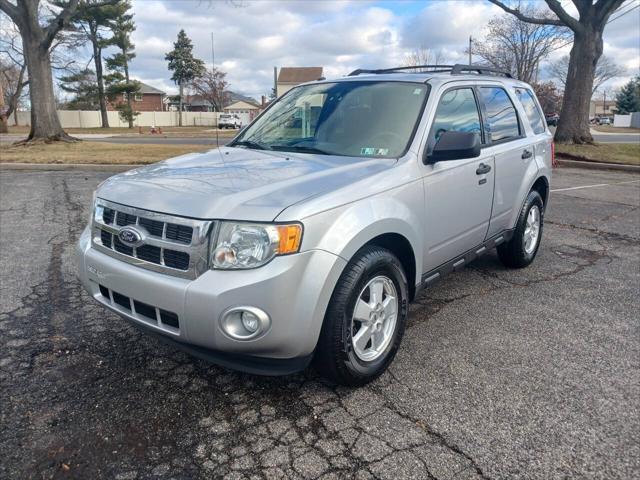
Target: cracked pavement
(502,374)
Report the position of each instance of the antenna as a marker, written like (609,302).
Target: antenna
(213,57)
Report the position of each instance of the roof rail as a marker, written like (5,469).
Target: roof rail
(480,69)
(456,69)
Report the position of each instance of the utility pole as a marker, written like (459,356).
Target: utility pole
(275,81)
(470,43)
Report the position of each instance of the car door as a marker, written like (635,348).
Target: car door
(458,193)
(513,151)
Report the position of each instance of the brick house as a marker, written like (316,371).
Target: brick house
(289,77)
(147,99)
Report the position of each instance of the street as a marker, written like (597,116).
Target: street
(502,374)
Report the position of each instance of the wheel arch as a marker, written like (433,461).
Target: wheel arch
(541,185)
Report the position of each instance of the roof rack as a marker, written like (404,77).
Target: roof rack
(456,69)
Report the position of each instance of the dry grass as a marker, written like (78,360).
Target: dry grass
(97,153)
(624,153)
(612,129)
(166,131)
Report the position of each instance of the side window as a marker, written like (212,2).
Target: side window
(457,111)
(501,114)
(531,109)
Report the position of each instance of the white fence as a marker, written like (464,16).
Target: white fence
(91,119)
(630,120)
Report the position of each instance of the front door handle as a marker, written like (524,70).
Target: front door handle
(527,154)
(483,168)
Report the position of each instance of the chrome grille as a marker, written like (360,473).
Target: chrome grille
(174,245)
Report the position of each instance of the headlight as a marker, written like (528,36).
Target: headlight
(250,245)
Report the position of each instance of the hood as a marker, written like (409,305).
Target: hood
(236,183)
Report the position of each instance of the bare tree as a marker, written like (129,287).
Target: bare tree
(549,96)
(211,85)
(518,47)
(606,69)
(38,30)
(13,71)
(423,56)
(587,29)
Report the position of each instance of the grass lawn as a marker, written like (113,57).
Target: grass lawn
(612,129)
(94,153)
(625,153)
(166,131)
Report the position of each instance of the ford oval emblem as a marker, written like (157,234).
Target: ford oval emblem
(130,236)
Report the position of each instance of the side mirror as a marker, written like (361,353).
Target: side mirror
(455,146)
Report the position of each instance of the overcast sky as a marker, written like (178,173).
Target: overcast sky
(340,36)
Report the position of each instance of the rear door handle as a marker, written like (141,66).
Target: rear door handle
(527,154)
(483,168)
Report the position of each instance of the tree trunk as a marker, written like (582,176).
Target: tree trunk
(126,77)
(4,127)
(180,107)
(45,124)
(573,126)
(97,59)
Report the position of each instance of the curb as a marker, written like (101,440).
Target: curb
(66,167)
(597,165)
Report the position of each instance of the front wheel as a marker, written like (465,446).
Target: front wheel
(365,320)
(523,246)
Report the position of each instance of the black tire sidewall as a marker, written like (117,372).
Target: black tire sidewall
(388,266)
(533,199)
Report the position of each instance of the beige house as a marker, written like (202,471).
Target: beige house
(599,108)
(245,109)
(289,77)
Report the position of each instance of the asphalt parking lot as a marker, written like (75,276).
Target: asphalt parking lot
(502,374)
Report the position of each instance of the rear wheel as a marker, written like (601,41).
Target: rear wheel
(365,320)
(523,246)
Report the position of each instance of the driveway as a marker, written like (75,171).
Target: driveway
(502,374)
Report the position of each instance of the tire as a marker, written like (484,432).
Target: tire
(517,252)
(337,356)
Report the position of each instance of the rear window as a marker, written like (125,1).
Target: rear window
(531,109)
(501,114)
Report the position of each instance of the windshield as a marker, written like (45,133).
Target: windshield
(363,119)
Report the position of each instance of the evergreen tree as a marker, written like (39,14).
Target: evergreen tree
(94,24)
(118,80)
(85,89)
(184,65)
(628,98)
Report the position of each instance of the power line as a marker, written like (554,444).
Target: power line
(623,13)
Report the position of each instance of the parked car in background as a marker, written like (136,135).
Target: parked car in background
(603,121)
(552,119)
(307,236)
(228,120)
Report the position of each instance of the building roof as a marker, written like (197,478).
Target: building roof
(234,97)
(144,88)
(296,75)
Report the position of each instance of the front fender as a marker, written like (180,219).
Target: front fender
(344,230)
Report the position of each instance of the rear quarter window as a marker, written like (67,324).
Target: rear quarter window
(531,109)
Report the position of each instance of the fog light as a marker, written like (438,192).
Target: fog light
(244,323)
(250,322)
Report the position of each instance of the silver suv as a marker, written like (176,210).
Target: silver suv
(307,237)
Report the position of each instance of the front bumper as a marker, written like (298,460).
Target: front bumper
(294,290)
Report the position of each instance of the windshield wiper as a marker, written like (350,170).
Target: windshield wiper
(251,144)
(300,148)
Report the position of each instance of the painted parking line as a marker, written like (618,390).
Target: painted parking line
(592,186)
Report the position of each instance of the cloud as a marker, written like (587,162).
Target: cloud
(338,35)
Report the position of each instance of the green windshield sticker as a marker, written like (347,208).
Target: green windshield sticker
(374,151)
(417,91)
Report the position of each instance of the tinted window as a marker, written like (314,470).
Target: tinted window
(457,111)
(501,114)
(364,119)
(531,109)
